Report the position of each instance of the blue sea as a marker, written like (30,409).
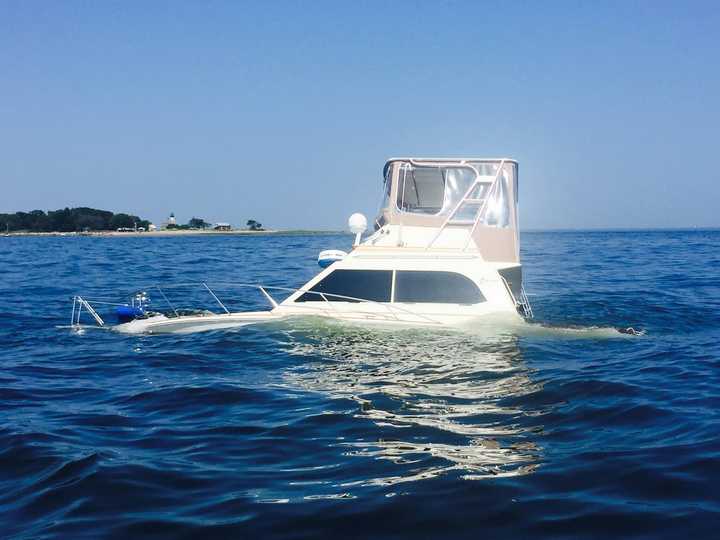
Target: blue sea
(562,429)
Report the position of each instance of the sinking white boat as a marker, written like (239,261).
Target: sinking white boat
(444,251)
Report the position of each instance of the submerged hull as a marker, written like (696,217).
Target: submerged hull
(161,324)
(385,315)
(476,290)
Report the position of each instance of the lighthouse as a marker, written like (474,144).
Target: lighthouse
(171,219)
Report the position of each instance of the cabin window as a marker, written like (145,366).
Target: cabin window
(421,190)
(374,285)
(435,287)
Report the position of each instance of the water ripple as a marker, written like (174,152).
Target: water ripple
(311,429)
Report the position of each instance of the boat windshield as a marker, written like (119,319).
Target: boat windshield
(460,190)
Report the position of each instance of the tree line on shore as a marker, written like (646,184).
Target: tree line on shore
(69,220)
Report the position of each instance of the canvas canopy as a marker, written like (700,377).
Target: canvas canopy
(479,194)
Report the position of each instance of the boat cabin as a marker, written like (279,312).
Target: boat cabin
(445,238)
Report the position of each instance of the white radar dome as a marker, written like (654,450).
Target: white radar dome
(357,223)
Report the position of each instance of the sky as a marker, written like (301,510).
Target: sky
(285,112)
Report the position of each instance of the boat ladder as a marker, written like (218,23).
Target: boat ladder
(521,301)
(474,200)
(524,304)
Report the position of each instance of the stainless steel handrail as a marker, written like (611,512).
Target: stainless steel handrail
(390,307)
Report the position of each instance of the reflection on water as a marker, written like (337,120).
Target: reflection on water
(441,401)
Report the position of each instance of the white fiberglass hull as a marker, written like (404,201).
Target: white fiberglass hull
(494,293)
(160,324)
(374,314)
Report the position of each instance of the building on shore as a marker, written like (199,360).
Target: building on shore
(170,223)
(222,227)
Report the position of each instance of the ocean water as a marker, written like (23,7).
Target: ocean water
(312,429)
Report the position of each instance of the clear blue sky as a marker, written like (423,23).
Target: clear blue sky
(285,111)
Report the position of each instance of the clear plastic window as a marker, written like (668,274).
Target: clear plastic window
(421,190)
(385,201)
(467,193)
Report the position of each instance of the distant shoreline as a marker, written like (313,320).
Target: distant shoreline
(280,232)
(172,233)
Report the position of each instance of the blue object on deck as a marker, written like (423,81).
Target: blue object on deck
(329,256)
(128,313)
